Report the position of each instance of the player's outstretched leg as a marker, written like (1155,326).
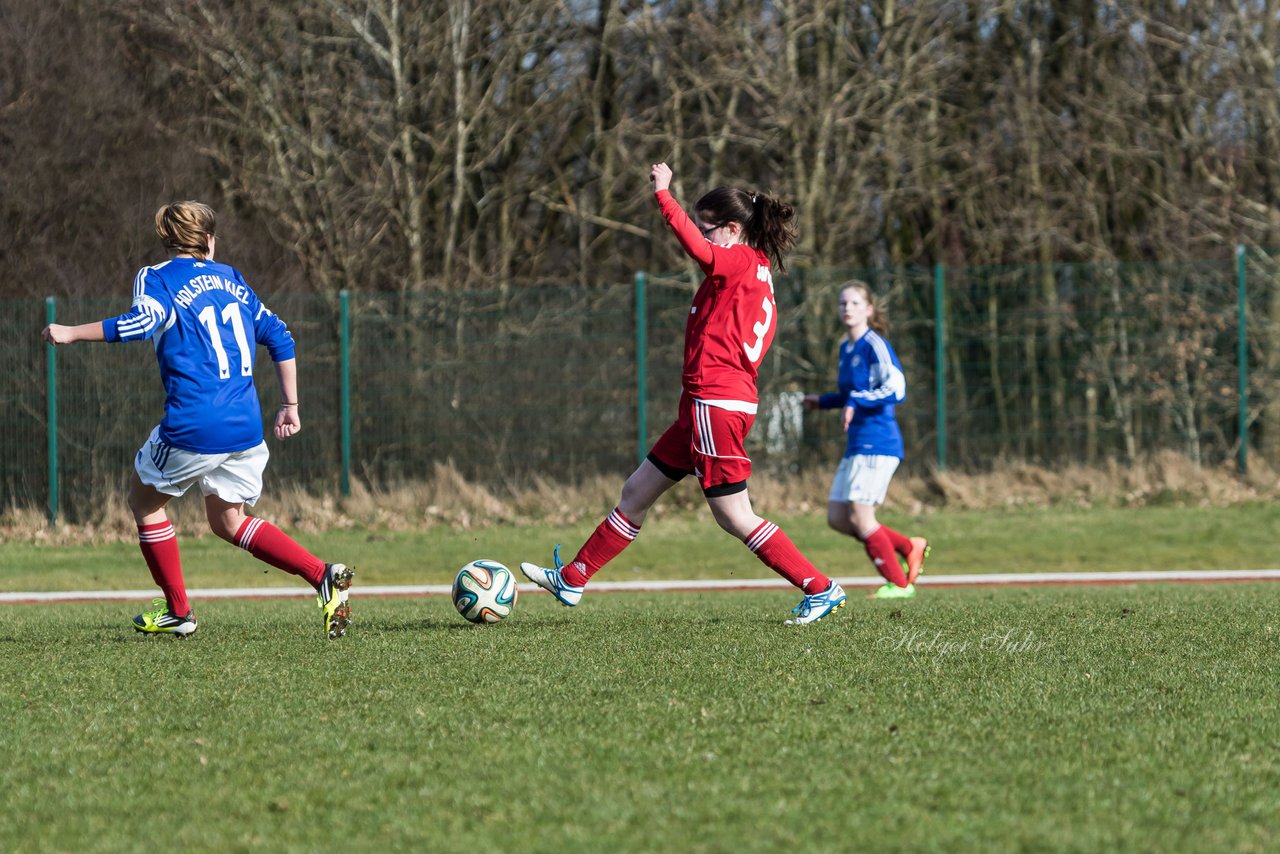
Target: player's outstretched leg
(553,581)
(331,594)
(815,606)
(161,622)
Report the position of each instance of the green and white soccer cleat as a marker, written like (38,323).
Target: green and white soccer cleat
(893,591)
(815,606)
(332,597)
(161,622)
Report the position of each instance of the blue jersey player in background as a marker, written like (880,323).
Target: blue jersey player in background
(871,384)
(206,323)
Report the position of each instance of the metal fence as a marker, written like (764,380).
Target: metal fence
(1053,365)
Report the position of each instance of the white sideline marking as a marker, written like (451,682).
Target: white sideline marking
(1005,578)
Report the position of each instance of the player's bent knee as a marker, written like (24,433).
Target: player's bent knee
(136,506)
(226,526)
(225,536)
(219,528)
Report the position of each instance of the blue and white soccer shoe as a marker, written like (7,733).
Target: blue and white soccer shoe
(552,580)
(815,606)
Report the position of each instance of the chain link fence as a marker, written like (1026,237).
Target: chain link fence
(1066,364)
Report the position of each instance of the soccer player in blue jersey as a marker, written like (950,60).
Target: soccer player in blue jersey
(871,384)
(205,323)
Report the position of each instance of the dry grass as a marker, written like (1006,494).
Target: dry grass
(1162,479)
(449,499)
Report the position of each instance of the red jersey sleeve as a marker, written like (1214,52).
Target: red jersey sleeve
(691,240)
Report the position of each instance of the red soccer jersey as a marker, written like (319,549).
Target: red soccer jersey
(733,318)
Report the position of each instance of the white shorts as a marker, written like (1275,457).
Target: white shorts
(235,477)
(863,479)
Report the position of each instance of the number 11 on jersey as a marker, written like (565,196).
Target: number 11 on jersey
(208,317)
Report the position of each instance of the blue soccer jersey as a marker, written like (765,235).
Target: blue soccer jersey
(872,382)
(205,323)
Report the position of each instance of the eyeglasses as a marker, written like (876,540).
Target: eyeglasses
(706,232)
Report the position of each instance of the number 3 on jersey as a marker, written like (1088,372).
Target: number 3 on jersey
(762,326)
(208,317)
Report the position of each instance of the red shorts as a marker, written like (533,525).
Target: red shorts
(706,441)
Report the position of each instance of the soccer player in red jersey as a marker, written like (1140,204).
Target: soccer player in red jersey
(736,237)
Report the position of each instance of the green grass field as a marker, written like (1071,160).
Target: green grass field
(1086,719)
(995,719)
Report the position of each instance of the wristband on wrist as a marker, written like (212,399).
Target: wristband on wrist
(286,405)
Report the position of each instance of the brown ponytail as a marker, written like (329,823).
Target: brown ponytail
(768,224)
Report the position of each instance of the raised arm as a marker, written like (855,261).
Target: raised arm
(691,240)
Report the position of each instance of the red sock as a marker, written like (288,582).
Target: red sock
(901,544)
(159,546)
(271,545)
(880,549)
(776,550)
(608,540)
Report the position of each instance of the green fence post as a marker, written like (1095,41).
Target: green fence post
(1242,361)
(344,379)
(642,369)
(940,362)
(51,397)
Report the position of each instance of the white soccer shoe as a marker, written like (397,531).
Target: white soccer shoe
(552,581)
(815,606)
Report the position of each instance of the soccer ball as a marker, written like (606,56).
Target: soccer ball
(484,591)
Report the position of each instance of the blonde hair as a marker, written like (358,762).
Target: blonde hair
(185,227)
(878,320)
